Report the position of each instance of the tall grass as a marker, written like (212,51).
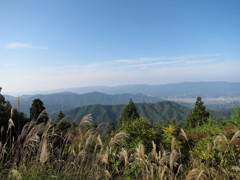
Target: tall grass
(43,151)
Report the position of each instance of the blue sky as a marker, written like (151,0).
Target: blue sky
(73,43)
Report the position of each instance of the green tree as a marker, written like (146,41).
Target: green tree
(2,99)
(19,119)
(5,114)
(110,129)
(36,108)
(235,116)
(61,123)
(60,116)
(5,110)
(129,114)
(141,131)
(199,115)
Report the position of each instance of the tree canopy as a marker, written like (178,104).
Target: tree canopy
(2,99)
(129,113)
(199,115)
(61,115)
(36,108)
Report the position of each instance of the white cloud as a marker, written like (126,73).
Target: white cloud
(144,59)
(199,61)
(17,45)
(158,61)
(9,64)
(155,64)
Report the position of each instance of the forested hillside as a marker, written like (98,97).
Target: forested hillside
(156,113)
(160,112)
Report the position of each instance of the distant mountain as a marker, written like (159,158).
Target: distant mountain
(223,107)
(64,101)
(177,90)
(10,98)
(158,112)
(216,95)
(214,107)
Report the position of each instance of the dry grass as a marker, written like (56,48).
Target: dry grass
(43,151)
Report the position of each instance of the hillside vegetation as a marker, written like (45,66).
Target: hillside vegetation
(161,112)
(158,112)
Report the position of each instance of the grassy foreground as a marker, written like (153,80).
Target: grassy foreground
(45,150)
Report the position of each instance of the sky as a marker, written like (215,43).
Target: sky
(46,45)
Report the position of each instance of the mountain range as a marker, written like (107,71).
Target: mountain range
(66,100)
(216,95)
(176,90)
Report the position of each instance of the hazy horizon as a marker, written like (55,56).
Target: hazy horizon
(70,89)
(48,45)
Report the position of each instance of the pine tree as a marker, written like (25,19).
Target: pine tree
(5,110)
(61,123)
(111,128)
(36,108)
(60,116)
(129,113)
(235,117)
(5,114)
(2,99)
(199,115)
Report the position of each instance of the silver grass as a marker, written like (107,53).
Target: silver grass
(235,136)
(99,140)
(236,168)
(220,138)
(105,156)
(44,152)
(117,139)
(194,174)
(163,172)
(201,175)
(98,143)
(43,114)
(224,171)
(141,156)
(10,124)
(86,120)
(60,121)
(183,134)
(173,144)
(82,153)
(154,151)
(88,141)
(123,153)
(39,129)
(32,140)
(12,111)
(107,174)
(152,172)
(178,171)
(14,174)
